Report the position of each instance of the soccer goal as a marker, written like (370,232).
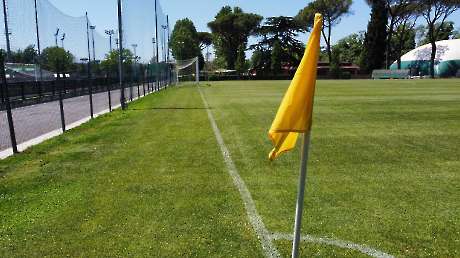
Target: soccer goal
(187,70)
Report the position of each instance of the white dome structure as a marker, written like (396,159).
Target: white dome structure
(447,61)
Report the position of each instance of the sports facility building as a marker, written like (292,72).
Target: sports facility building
(447,62)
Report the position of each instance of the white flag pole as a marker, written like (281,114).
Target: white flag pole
(300,195)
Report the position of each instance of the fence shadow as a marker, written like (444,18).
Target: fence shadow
(167,108)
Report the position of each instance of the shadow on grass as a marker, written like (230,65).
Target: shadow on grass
(168,108)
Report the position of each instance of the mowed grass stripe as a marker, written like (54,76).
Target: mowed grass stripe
(149,181)
(384,165)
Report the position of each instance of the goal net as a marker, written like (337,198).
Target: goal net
(187,70)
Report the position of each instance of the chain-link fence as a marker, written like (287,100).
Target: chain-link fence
(57,71)
(42,109)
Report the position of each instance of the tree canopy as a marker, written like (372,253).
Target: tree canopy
(400,12)
(350,48)
(281,33)
(110,63)
(375,40)
(185,41)
(332,11)
(436,12)
(205,39)
(231,29)
(26,56)
(446,31)
(57,59)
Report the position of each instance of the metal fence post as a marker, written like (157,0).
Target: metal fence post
(108,94)
(131,87)
(91,108)
(40,92)
(148,78)
(120,55)
(61,102)
(143,79)
(6,96)
(23,93)
(138,89)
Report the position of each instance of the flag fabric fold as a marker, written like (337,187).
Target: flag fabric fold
(294,115)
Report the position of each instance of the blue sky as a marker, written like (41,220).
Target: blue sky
(103,12)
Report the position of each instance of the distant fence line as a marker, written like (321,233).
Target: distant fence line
(25,115)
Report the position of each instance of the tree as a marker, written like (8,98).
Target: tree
(436,11)
(231,29)
(205,39)
(240,64)
(26,56)
(283,30)
(57,59)
(332,11)
(350,48)
(335,71)
(403,41)
(110,63)
(375,39)
(399,12)
(280,30)
(185,42)
(456,34)
(260,61)
(446,31)
(276,58)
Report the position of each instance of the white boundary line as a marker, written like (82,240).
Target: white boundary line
(339,243)
(39,139)
(254,217)
(265,237)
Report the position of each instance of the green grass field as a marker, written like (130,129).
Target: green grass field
(384,172)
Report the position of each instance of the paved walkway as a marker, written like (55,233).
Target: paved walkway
(33,121)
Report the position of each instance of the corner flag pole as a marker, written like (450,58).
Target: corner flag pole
(301,194)
(295,116)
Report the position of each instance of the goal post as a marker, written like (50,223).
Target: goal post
(187,70)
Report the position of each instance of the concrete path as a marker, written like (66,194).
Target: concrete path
(33,121)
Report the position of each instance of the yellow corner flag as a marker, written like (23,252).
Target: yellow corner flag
(295,112)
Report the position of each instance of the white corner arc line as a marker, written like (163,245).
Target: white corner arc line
(266,239)
(339,243)
(264,236)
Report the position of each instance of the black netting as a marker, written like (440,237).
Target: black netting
(36,87)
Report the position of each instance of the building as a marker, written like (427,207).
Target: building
(447,61)
(324,68)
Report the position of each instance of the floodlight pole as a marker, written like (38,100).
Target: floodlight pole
(92,36)
(62,40)
(90,83)
(167,47)
(120,56)
(56,37)
(156,37)
(153,43)
(135,59)
(163,44)
(36,28)
(7,33)
(38,40)
(135,52)
(110,33)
